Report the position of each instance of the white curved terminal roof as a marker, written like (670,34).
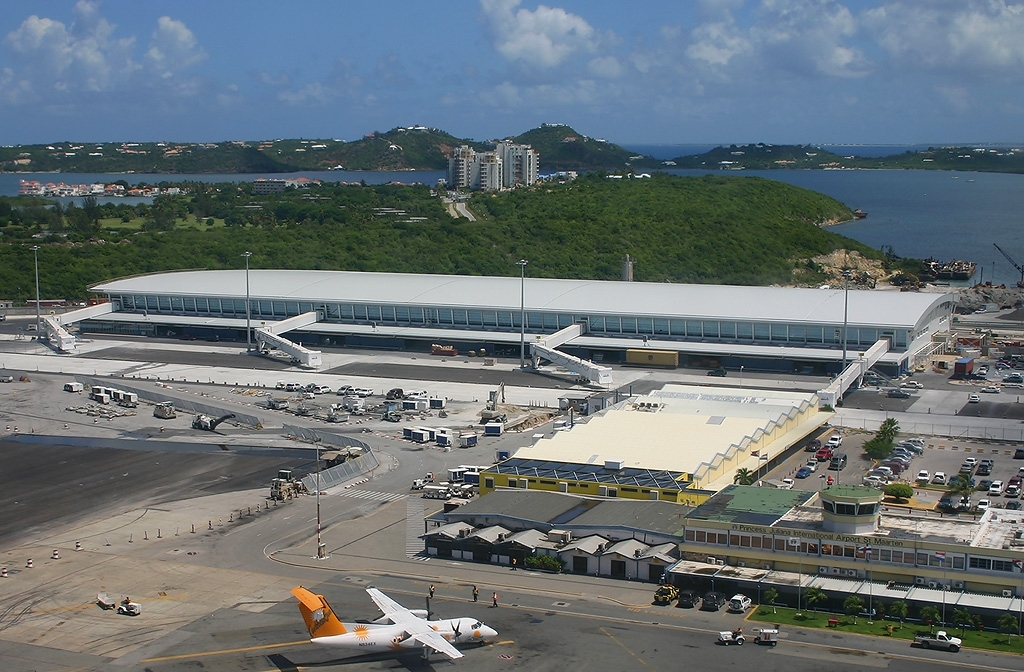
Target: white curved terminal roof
(880,308)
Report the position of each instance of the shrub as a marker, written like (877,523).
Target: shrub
(545,562)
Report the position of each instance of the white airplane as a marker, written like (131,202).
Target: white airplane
(399,628)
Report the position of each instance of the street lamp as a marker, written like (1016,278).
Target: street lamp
(522,312)
(35,253)
(321,550)
(248,316)
(846,318)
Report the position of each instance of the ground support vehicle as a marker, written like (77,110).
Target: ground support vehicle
(164,410)
(938,640)
(769,636)
(285,486)
(129,608)
(665,594)
(727,637)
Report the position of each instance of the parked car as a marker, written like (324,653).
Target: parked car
(984,484)
(344,390)
(1018,454)
(995,489)
(939,478)
(917,441)
(813,446)
(897,468)
(1014,505)
(803,472)
(970,463)
(982,504)
(874,482)
(835,441)
(713,601)
(1012,490)
(912,384)
(811,465)
(973,399)
(1013,378)
(823,455)
(739,602)
(990,389)
(720,372)
(912,447)
(688,599)
(923,476)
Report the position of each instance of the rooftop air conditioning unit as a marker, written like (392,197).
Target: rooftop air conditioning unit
(933,584)
(501,536)
(836,571)
(637,553)
(851,572)
(741,564)
(959,585)
(919,580)
(766,565)
(711,561)
(463,532)
(1007,593)
(720,562)
(822,570)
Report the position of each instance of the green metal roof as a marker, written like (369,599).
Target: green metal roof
(750,504)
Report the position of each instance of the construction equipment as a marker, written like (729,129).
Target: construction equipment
(491,413)
(391,416)
(1020,283)
(285,486)
(208,423)
(277,404)
(165,410)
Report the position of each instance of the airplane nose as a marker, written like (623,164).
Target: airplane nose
(486,631)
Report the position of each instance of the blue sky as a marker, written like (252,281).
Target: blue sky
(654,72)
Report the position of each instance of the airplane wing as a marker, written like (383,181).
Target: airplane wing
(414,626)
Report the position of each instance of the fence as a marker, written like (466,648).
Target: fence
(340,473)
(947,430)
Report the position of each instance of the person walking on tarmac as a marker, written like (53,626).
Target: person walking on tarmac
(431,591)
(515,562)
(476,593)
(494,599)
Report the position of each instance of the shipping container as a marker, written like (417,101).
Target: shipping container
(647,357)
(963,366)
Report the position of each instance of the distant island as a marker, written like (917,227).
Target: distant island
(561,148)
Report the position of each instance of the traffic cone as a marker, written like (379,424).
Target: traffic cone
(78,545)
(3,573)
(56,555)
(29,563)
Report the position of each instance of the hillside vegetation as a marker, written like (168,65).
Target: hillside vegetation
(712,229)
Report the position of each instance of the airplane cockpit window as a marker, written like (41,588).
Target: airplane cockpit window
(477,624)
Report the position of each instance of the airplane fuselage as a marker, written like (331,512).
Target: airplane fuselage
(394,637)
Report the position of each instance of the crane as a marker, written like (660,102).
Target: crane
(1020,283)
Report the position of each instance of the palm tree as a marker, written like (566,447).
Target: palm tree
(960,485)
(744,476)
(770,596)
(899,609)
(853,605)
(888,430)
(929,615)
(814,595)
(1007,622)
(962,618)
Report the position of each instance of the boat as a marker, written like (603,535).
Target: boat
(957,270)
(859,214)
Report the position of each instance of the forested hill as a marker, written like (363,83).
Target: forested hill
(403,148)
(712,229)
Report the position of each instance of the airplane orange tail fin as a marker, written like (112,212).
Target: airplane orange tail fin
(318,615)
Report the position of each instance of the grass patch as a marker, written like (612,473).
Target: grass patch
(989,641)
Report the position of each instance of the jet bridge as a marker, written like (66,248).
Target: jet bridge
(267,337)
(854,371)
(545,347)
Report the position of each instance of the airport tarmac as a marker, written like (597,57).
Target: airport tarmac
(189,534)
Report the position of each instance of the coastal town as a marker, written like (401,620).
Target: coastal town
(113,189)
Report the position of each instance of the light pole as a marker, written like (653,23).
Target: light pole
(248,315)
(35,253)
(321,551)
(846,318)
(794,543)
(522,312)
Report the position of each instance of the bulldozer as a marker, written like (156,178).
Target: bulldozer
(208,423)
(285,486)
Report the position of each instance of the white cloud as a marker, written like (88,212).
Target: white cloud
(717,43)
(543,38)
(313,94)
(172,48)
(606,67)
(971,35)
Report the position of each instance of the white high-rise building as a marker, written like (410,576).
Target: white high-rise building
(507,166)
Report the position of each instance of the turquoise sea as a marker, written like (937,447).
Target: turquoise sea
(940,214)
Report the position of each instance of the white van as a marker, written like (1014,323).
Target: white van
(73,387)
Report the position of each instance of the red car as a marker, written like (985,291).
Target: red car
(823,455)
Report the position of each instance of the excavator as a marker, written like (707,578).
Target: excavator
(492,412)
(208,423)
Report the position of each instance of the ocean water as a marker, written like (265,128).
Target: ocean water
(920,213)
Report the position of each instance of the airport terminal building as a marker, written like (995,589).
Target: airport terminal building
(759,328)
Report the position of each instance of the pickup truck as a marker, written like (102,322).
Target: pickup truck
(939,640)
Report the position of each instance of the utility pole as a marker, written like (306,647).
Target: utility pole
(522,312)
(248,316)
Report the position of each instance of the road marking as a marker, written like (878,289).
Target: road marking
(624,648)
(370,494)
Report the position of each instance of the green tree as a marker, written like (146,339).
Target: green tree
(889,429)
(900,491)
(961,485)
(899,609)
(1008,623)
(770,597)
(853,605)
(814,596)
(962,619)
(744,476)
(930,615)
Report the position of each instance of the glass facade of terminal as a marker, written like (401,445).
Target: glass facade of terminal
(537,322)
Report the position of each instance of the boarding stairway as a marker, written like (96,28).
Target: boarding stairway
(267,338)
(54,325)
(545,347)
